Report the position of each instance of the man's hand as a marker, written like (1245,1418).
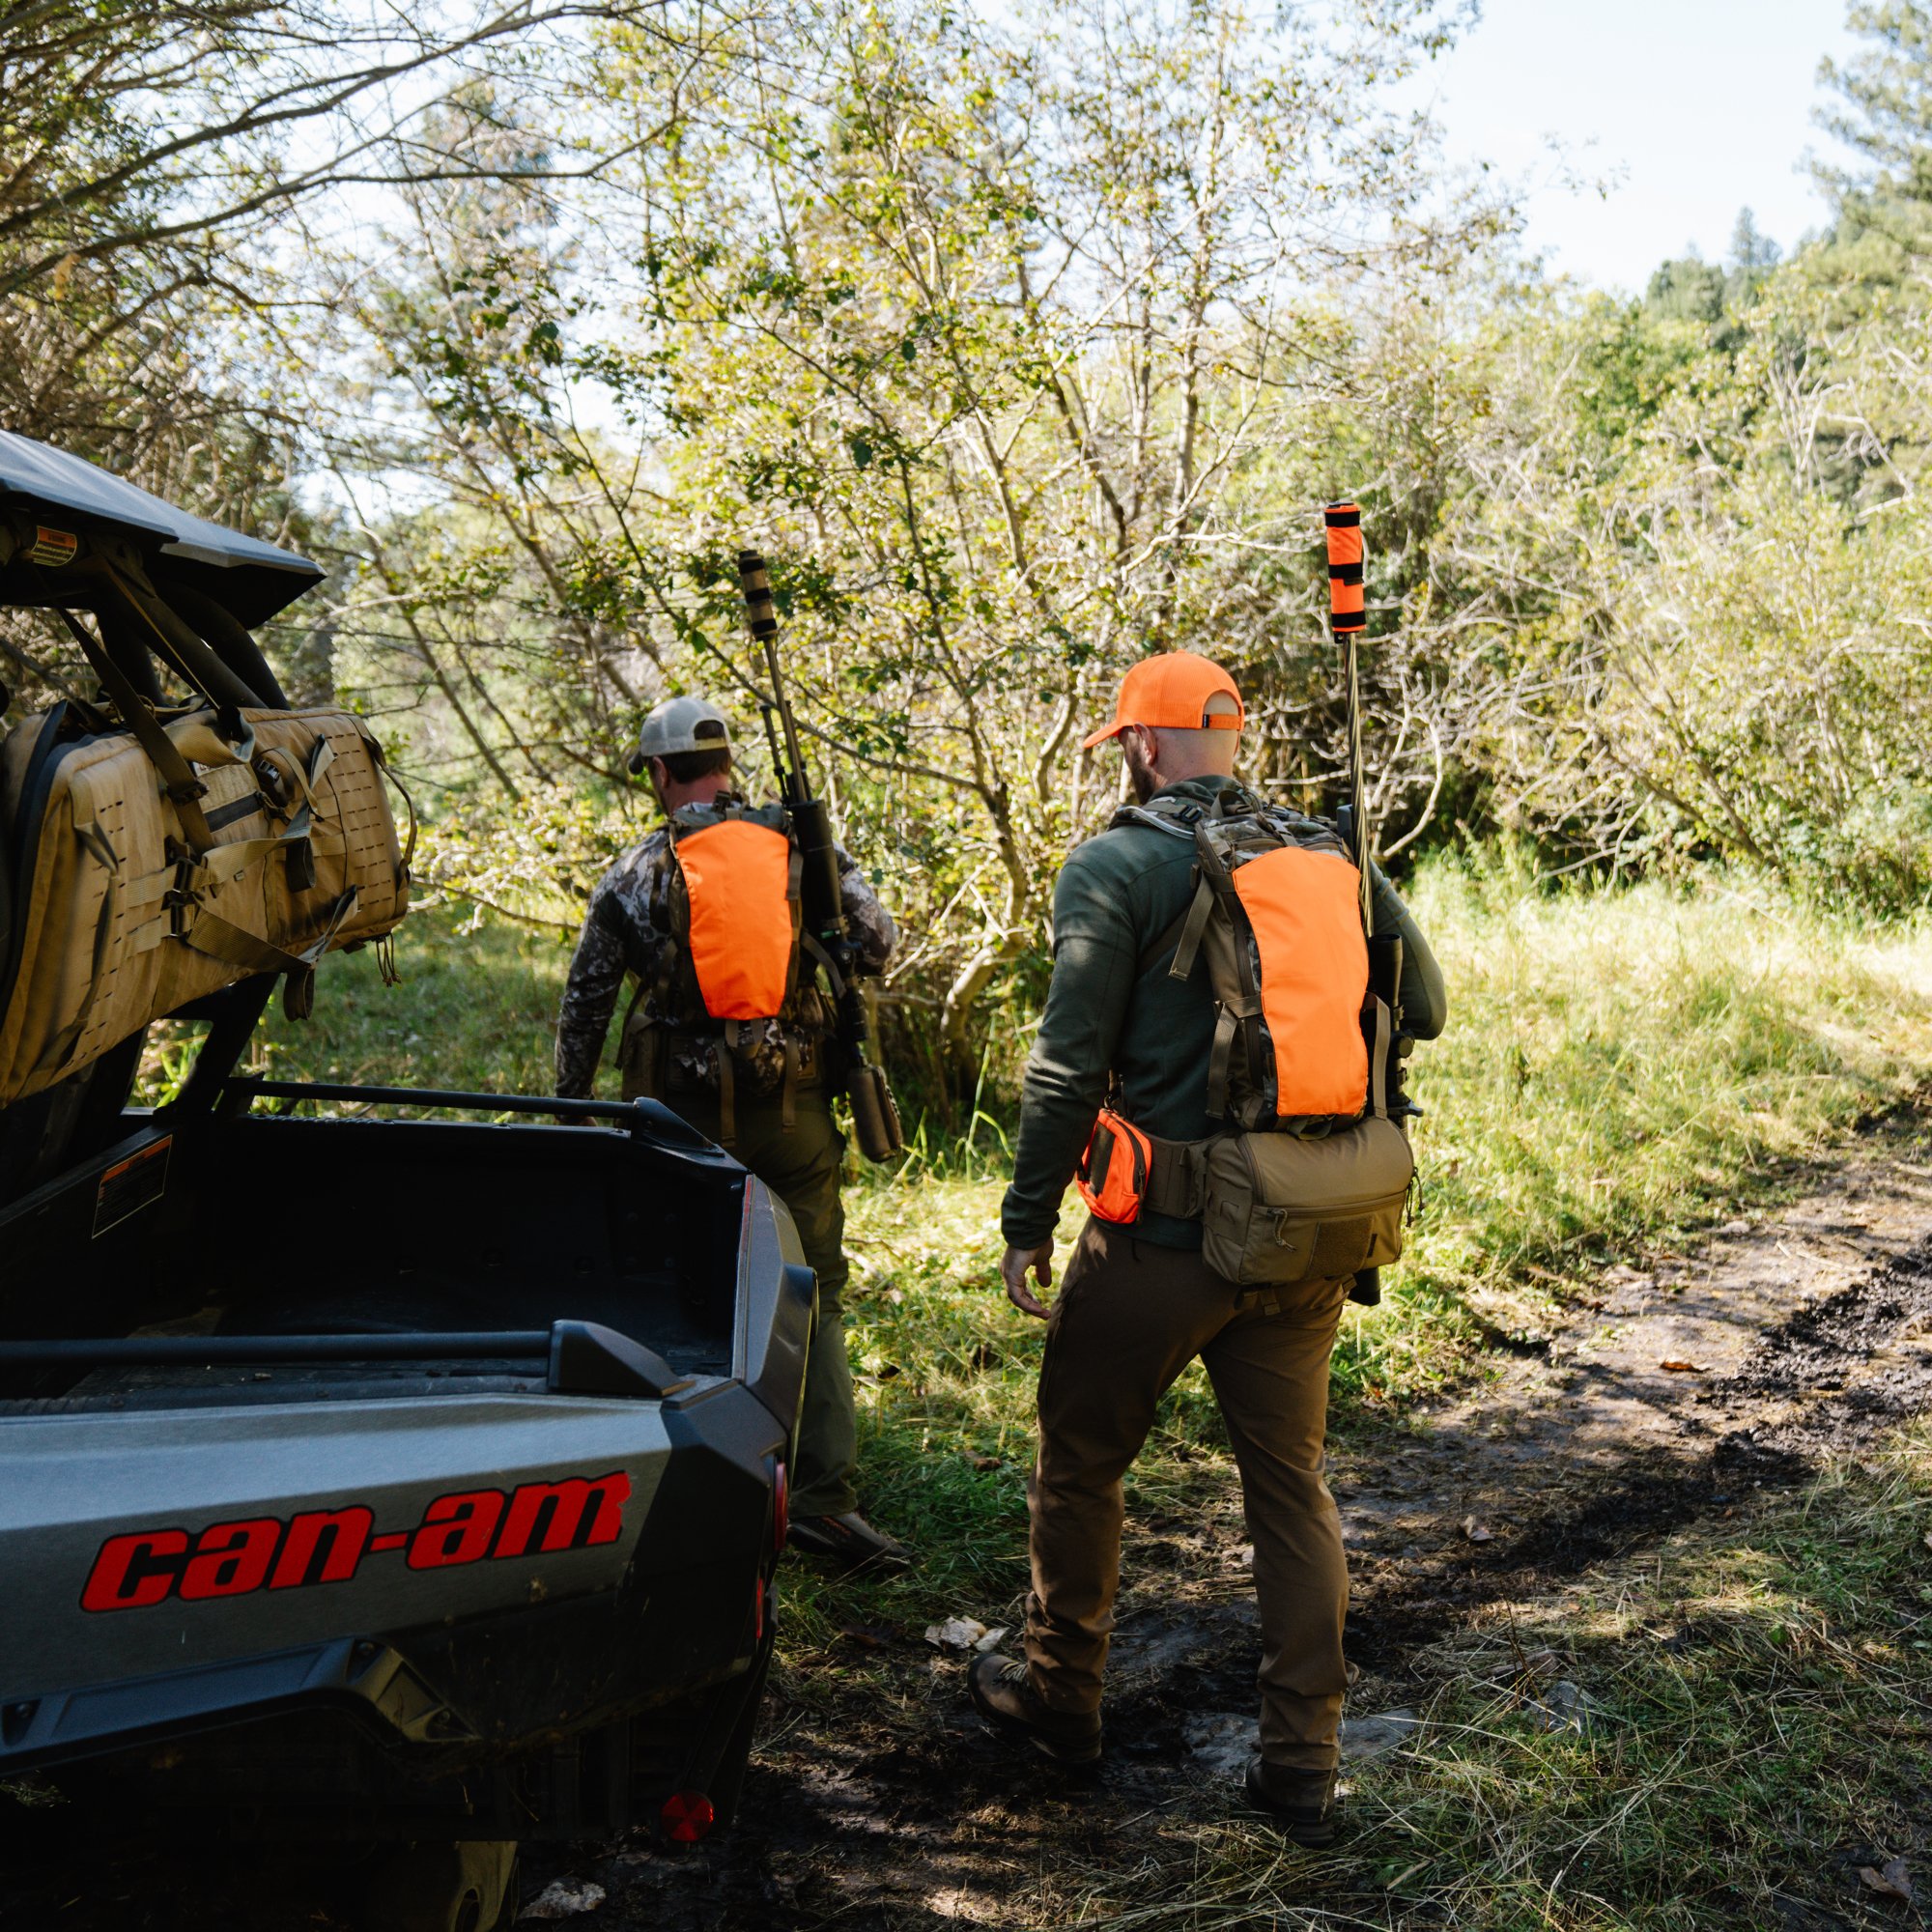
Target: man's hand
(1016,1264)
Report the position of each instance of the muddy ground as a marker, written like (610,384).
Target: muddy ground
(1806,1331)
(878,1801)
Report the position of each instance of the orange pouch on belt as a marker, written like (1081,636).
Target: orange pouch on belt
(1113,1172)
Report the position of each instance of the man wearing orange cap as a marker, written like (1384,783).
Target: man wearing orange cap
(1138,1302)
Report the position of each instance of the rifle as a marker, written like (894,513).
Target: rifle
(827,934)
(1347,618)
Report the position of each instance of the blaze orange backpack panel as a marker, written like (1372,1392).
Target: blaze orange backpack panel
(1304,908)
(737,876)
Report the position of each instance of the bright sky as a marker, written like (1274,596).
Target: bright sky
(1701,107)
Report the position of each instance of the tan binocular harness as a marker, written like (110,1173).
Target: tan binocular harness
(162,862)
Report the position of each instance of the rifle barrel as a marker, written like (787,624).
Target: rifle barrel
(1342,523)
(875,1120)
(762,615)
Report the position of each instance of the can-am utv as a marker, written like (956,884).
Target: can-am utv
(402,1482)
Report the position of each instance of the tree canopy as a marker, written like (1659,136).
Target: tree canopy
(1025,341)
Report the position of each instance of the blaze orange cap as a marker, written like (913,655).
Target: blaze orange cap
(1169,693)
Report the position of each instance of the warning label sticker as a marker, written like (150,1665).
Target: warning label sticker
(53,547)
(130,1184)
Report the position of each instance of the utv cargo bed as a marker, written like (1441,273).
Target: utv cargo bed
(487,1468)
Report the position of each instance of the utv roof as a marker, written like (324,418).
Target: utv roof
(41,485)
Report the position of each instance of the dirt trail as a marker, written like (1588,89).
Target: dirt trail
(1804,1330)
(1807,1330)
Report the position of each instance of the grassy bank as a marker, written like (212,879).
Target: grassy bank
(1620,1064)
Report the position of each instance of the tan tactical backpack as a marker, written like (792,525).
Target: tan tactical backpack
(157,864)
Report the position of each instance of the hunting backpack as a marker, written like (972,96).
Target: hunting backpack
(1309,1174)
(729,982)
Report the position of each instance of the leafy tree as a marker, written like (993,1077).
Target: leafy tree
(1882,109)
(1025,341)
(1752,251)
(1013,349)
(159,166)
(1686,290)
(1884,106)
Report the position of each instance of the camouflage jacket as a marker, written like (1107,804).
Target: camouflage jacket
(628,929)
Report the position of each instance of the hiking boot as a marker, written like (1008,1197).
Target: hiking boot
(1302,1802)
(1002,1692)
(848,1540)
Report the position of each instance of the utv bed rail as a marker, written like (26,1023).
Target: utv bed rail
(580,1357)
(650,1119)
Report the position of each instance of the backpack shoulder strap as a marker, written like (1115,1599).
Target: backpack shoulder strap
(1156,948)
(1175,816)
(1193,924)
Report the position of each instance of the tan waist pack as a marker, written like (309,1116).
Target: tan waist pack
(157,865)
(1279,1207)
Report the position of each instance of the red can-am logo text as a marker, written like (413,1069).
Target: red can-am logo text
(233,1559)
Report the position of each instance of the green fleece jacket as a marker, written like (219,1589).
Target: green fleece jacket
(1117,894)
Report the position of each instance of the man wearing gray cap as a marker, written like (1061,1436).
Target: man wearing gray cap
(762,1086)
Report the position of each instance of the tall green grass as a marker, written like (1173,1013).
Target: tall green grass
(1620,1063)
(1621,1067)
(473,1009)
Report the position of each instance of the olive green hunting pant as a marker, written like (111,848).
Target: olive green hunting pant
(800,1164)
(1129,1318)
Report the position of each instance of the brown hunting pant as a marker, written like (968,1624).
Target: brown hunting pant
(1129,1319)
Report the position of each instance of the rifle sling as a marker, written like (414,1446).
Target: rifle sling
(833,978)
